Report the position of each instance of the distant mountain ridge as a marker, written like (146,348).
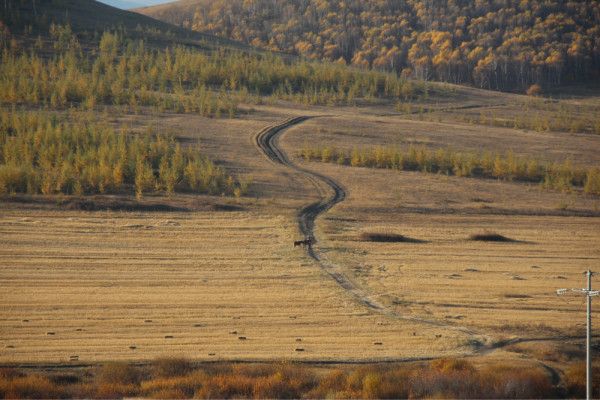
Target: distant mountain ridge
(122,4)
(493,44)
(131,4)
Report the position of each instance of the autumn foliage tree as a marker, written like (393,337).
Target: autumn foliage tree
(496,44)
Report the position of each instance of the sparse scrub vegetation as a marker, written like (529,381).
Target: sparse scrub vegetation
(42,153)
(446,378)
(575,380)
(542,117)
(556,176)
(170,367)
(531,115)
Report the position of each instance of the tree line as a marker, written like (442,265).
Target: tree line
(117,72)
(44,153)
(127,72)
(556,176)
(495,44)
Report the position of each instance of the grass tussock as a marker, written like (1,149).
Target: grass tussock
(490,237)
(575,380)
(178,378)
(170,367)
(386,237)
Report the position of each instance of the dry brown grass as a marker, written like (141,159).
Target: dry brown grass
(449,278)
(168,367)
(94,278)
(28,387)
(575,380)
(119,374)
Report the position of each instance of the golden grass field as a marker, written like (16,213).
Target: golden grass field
(94,284)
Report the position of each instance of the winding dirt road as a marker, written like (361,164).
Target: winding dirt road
(330,194)
(266,140)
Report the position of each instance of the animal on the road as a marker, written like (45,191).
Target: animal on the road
(307,242)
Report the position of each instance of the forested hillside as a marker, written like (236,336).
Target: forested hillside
(493,44)
(54,75)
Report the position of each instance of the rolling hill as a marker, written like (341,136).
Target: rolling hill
(88,18)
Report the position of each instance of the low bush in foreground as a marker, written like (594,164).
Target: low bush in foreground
(177,378)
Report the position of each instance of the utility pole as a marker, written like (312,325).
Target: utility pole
(588,293)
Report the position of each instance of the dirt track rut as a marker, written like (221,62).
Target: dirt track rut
(330,193)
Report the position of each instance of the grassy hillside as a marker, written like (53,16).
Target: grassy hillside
(89,18)
(505,45)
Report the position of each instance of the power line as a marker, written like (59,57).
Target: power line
(588,293)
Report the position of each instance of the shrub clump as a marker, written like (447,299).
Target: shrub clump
(446,378)
(171,367)
(490,237)
(386,237)
(534,90)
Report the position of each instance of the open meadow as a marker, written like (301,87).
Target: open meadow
(104,286)
(126,285)
(183,215)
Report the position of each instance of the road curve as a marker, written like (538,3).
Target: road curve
(332,193)
(266,140)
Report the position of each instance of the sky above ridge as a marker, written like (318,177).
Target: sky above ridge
(127,4)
